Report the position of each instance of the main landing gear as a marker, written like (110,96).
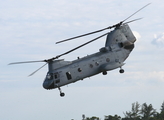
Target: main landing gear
(61,93)
(104,72)
(121,70)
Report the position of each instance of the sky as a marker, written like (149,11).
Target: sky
(29,30)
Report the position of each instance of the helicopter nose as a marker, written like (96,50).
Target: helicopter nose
(47,84)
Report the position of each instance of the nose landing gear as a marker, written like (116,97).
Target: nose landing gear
(61,93)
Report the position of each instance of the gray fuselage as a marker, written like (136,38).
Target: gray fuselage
(119,44)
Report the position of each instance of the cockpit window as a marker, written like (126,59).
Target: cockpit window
(56,75)
(49,76)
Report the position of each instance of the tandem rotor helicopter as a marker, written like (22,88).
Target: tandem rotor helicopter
(118,46)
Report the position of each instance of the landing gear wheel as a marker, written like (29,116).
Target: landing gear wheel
(104,73)
(62,94)
(121,71)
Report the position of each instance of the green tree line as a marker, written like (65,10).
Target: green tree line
(137,112)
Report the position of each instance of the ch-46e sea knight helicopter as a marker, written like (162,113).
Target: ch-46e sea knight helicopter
(118,46)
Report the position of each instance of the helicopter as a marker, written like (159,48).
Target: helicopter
(119,44)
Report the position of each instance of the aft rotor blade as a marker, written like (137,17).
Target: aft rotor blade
(133,20)
(83,35)
(26,62)
(136,12)
(104,28)
(38,69)
(82,45)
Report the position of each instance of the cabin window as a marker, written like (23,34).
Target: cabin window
(91,66)
(68,74)
(107,60)
(96,63)
(121,45)
(79,69)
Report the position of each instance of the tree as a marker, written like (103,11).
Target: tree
(162,107)
(110,117)
(147,111)
(93,118)
(160,115)
(134,113)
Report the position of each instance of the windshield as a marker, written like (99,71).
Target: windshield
(49,76)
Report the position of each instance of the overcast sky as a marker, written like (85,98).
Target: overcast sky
(29,30)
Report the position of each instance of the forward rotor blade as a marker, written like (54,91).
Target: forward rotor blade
(83,35)
(82,45)
(26,62)
(133,20)
(38,69)
(136,12)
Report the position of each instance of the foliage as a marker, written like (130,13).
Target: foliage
(147,111)
(162,107)
(134,113)
(138,112)
(110,117)
(92,118)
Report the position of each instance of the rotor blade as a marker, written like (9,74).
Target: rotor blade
(104,28)
(136,12)
(81,45)
(48,60)
(83,35)
(38,69)
(133,20)
(26,62)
